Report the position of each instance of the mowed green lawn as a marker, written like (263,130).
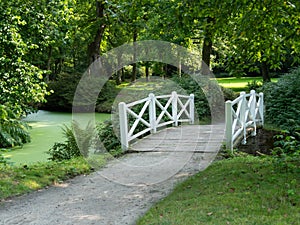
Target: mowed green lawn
(239,84)
(243,190)
(235,83)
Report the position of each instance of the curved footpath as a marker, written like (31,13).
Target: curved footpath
(103,197)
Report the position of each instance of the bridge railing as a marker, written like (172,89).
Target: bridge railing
(246,111)
(163,110)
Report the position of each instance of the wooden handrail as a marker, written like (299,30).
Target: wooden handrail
(151,104)
(249,112)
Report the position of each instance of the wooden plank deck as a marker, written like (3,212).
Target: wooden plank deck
(186,138)
(175,151)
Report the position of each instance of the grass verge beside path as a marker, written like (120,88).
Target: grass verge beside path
(242,190)
(17,180)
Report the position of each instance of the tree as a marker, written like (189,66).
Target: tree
(100,24)
(262,34)
(21,82)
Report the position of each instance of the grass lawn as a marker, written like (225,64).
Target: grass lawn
(239,84)
(17,180)
(242,190)
(234,83)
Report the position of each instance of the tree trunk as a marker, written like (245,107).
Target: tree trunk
(49,63)
(123,75)
(265,72)
(179,67)
(134,66)
(119,72)
(147,72)
(118,77)
(206,52)
(94,46)
(207,47)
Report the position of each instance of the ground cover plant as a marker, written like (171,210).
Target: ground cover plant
(240,190)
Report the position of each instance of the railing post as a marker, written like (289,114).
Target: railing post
(192,109)
(261,107)
(252,107)
(174,108)
(229,131)
(123,126)
(243,115)
(152,112)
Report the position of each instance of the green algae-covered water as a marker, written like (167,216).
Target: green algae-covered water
(46,130)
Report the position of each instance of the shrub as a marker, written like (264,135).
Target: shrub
(201,103)
(88,141)
(66,150)
(2,159)
(282,101)
(70,149)
(108,138)
(253,85)
(106,97)
(13,131)
(287,149)
(64,88)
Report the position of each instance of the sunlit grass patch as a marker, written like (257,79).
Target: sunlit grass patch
(236,191)
(15,180)
(240,84)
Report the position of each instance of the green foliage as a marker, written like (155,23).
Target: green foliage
(13,131)
(192,87)
(63,89)
(72,148)
(66,150)
(106,97)
(266,35)
(87,140)
(282,101)
(253,85)
(2,159)
(21,82)
(201,103)
(287,149)
(108,138)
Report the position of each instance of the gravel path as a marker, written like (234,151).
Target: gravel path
(117,194)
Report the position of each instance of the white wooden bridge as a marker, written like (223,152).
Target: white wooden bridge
(166,124)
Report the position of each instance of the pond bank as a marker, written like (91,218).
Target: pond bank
(46,130)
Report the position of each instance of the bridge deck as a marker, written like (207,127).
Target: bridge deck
(172,151)
(186,138)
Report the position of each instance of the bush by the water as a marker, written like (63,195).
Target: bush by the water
(69,148)
(282,101)
(108,138)
(13,131)
(65,150)
(88,139)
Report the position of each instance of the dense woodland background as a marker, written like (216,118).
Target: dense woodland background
(46,45)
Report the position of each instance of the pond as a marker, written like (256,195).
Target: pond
(46,130)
